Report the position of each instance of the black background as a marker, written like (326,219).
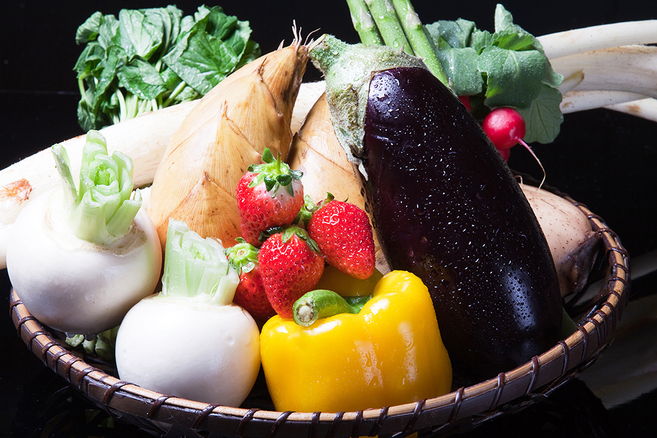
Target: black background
(604,159)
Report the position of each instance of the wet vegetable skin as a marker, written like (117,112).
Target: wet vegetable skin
(447,208)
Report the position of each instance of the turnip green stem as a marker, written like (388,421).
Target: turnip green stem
(196,268)
(102,209)
(322,303)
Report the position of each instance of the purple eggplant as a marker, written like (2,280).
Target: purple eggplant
(446,207)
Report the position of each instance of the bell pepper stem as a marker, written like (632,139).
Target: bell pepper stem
(322,303)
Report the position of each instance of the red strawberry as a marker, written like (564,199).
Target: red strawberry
(290,265)
(344,235)
(268,195)
(250,293)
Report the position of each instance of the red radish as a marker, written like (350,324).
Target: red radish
(505,153)
(505,127)
(465,100)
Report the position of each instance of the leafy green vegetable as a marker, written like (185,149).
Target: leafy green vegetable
(149,59)
(504,68)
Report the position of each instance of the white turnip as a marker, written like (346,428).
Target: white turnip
(80,258)
(190,340)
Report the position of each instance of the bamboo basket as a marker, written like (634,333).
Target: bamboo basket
(464,408)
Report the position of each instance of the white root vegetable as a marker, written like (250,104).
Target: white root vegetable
(587,39)
(572,242)
(143,139)
(190,340)
(575,101)
(644,108)
(80,258)
(625,68)
(75,286)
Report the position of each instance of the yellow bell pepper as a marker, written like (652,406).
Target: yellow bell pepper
(389,353)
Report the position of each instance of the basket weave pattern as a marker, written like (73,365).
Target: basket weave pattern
(462,409)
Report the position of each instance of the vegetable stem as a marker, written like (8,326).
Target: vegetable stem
(322,303)
(176,91)
(417,37)
(385,17)
(364,23)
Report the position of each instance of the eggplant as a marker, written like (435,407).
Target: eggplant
(446,207)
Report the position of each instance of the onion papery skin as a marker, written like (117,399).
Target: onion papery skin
(75,286)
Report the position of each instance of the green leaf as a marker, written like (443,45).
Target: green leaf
(88,31)
(210,50)
(114,79)
(114,60)
(109,34)
(512,40)
(514,78)
(141,79)
(460,66)
(454,33)
(170,18)
(141,31)
(543,117)
(503,19)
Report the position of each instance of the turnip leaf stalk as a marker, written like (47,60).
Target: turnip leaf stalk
(196,268)
(103,208)
(190,340)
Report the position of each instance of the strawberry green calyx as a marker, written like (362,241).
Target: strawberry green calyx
(323,303)
(274,173)
(243,256)
(309,208)
(301,234)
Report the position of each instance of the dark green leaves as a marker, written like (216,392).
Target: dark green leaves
(504,68)
(152,58)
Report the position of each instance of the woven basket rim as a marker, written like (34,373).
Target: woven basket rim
(474,404)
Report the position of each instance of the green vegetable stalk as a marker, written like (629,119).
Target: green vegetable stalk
(103,208)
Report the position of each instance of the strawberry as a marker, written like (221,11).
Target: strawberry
(290,265)
(344,235)
(250,293)
(268,195)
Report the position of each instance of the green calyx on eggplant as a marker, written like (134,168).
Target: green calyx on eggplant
(349,68)
(446,207)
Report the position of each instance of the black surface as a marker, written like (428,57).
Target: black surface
(605,159)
